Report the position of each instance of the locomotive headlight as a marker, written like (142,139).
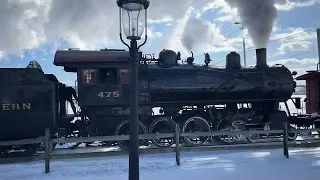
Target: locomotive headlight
(133,17)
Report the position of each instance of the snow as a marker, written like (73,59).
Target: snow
(304,163)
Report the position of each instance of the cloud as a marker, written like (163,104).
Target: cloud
(84,24)
(159,21)
(293,62)
(21,25)
(224,10)
(230,14)
(294,40)
(292,4)
(2,55)
(94,24)
(198,35)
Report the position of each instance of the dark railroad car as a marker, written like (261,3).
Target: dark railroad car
(27,103)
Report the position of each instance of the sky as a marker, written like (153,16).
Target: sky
(36,29)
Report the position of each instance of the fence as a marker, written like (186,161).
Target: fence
(176,135)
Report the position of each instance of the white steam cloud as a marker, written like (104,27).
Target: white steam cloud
(194,32)
(258,16)
(199,35)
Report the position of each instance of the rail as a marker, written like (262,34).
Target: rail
(176,135)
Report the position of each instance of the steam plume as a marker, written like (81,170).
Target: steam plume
(198,34)
(190,34)
(258,16)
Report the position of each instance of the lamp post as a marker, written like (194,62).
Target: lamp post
(244,46)
(133,15)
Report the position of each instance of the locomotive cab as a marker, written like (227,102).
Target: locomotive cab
(102,76)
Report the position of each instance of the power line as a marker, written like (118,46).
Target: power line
(233,33)
(227,29)
(279,40)
(223,27)
(219,62)
(291,36)
(300,54)
(303,33)
(273,41)
(306,20)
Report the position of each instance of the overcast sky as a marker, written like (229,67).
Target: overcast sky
(35,29)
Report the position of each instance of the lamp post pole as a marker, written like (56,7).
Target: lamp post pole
(134,140)
(132,11)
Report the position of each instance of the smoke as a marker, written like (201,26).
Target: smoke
(191,34)
(258,16)
(198,35)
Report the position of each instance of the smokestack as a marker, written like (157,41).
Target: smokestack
(261,57)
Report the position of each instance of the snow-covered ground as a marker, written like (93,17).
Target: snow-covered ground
(255,165)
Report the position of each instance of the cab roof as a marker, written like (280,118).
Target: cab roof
(72,60)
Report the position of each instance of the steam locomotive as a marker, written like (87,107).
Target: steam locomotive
(197,97)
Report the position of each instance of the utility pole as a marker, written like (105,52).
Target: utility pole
(244,45)
(244,48)
(318,37)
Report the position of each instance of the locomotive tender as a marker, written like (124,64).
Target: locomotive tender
(198,97)
(30,102)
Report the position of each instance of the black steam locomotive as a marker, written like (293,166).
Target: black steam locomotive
(198,97)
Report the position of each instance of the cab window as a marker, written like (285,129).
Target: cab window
(89,76)
(108,76)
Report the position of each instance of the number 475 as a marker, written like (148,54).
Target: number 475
(109,94)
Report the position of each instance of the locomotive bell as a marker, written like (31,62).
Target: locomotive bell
(233,61)
(168,58)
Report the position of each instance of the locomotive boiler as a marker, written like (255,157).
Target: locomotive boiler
(198,97)
(170,82)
